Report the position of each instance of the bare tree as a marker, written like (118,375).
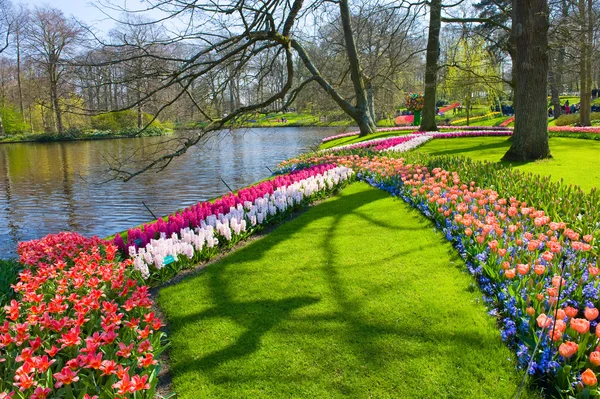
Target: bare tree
(228,37)
(21,21)
(51,40)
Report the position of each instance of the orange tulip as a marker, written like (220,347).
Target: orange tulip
(595,358)
(530,311)
(523,268)
(510,273)
(571,312)
(567,349)
(591,313)
(589,378)
(582,326)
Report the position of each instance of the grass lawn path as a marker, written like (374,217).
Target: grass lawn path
(357,297)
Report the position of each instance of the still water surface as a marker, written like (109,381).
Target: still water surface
(51,187)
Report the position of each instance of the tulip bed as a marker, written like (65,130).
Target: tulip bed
(582,132)
(82,325)
(160,250)
(531,246)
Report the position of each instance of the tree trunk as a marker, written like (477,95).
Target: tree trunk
(557,72)
(554,92)
(590,46)
(55,100)
(19,85)
(140,114)
(585,93)
(431,68)
(371,99)
(361,112)
(530,31)
(365,124)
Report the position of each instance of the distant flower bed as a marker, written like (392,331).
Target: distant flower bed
(159,250)
(575,129)
(82,326)
(448,107)
(356,133)
(413,129)
(388,143)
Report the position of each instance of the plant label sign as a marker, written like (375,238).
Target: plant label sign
(168,259)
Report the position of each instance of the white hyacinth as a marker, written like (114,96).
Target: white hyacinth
(234,223)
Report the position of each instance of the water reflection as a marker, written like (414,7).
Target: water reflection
(46,188)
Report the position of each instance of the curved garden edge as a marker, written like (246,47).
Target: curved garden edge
(325,219)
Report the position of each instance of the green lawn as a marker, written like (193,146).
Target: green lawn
(358,297)
(575,160)
(492,122)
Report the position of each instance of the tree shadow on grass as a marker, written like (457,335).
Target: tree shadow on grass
(258,317)
(464,150)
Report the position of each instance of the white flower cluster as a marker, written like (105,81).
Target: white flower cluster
(411,144)
(165,250)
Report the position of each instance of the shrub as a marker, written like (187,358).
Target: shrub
(12,121)
(571,119)
(121,120)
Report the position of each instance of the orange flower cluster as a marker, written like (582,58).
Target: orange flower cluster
(82,327)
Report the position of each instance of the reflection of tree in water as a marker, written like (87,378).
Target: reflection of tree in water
(67,188)
(11,217)
(49,187)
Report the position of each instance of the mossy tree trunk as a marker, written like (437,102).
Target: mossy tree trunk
(530,32)
(431,68)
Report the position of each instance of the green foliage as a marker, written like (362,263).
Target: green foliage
(9,272)
(12,120)
(574,161)
(474,73)
(570,119)
(305,312)
(121,120)
(486,117)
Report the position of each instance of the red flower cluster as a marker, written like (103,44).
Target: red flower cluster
(82,325)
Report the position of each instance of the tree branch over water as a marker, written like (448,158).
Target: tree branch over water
(250,58)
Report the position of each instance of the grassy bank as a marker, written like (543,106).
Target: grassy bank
(73,136)
(574,160)
(306,312)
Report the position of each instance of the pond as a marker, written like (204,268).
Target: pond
(51,187)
